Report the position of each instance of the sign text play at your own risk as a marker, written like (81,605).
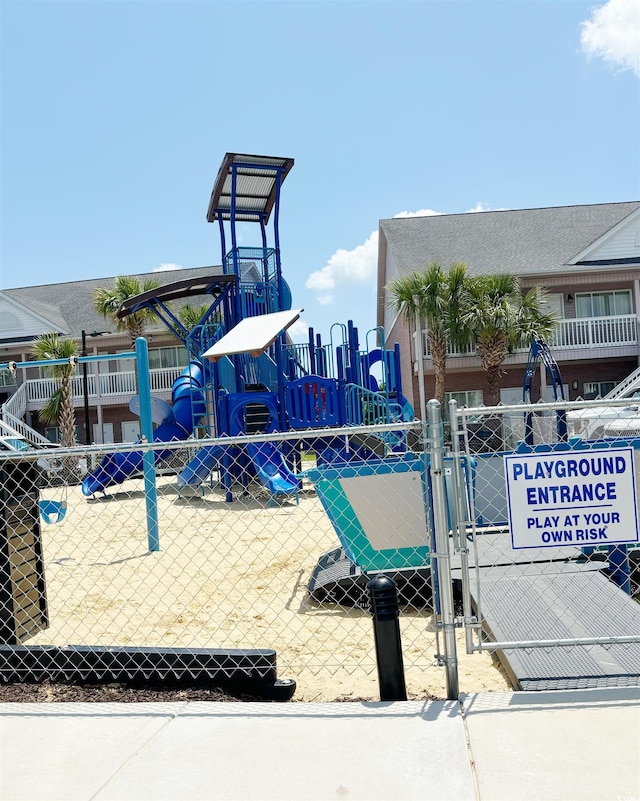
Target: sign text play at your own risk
(577,498)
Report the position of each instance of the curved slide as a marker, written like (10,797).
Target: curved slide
(176,424)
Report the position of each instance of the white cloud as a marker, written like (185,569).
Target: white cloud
(163,268)
(613,34)
(352,267)
(355,266)
(421,213)
(299,330)
(358,266)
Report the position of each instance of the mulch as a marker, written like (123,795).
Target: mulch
(47,692)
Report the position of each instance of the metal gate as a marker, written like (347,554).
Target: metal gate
(544,542)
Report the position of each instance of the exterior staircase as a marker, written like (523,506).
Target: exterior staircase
(626,387)
(12,420)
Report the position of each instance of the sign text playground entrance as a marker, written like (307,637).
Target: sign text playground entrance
(577,498)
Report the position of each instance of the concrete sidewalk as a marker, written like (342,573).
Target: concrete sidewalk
(582,744)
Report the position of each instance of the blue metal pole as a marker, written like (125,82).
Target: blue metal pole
(276,237)
(79,359)
(223,244)
(146,426)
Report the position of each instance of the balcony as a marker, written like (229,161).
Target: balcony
(581,334)
(596,332)
(105,388)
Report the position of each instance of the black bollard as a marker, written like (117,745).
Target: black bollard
(383,603)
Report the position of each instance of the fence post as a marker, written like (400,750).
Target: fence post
(436,470)
(463,507)
(148,460)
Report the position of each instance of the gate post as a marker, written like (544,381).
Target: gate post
(464,505)
(436,471)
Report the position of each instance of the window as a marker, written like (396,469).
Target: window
(52,433)
(10,321)
(471,397)
(554,304)
(595,389)
(603,304)
(7,378)
(117,366)
(167,357)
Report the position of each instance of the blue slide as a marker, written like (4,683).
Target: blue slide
(269,463)
(176,424)
(200,466)
(272,469)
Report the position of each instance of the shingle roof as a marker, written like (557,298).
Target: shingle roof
(69,305)
(523,242)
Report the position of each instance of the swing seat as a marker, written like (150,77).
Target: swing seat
(52,511)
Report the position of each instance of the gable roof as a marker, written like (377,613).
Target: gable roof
(68,306)
(38,314)
(523,242)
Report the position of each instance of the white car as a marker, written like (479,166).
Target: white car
(597,422)
(12,443)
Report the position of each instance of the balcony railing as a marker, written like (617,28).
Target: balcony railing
(104,385)
(582,333)
(596,332)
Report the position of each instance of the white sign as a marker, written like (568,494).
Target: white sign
(577,498)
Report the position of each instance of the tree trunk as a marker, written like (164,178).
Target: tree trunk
(494,374)
(67,423)
(438,351)
(492,353)
(67,415)
(136,329)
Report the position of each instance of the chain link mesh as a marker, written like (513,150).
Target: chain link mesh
(261,546)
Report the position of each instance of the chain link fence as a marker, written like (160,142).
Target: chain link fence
(545,542)
(238,547)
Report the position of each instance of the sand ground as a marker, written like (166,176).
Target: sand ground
(227,576)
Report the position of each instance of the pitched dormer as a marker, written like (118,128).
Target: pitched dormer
(620,245)
(17,323)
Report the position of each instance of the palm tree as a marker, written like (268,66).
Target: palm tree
(438,297)
(107,301)
(190,315)
(199,338)
(59,408)
(502,320)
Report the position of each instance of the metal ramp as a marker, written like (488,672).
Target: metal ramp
(511,599)
(526,596)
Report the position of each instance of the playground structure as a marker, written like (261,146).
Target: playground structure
(245,377)
(540,353)
(260,386)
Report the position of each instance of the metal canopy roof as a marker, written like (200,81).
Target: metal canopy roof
(207,285)
(255,187)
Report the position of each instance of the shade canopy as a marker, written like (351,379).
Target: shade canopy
(256,179)
(202,285)
(252,335)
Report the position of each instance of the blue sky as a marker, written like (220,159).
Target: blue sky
(116,116)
